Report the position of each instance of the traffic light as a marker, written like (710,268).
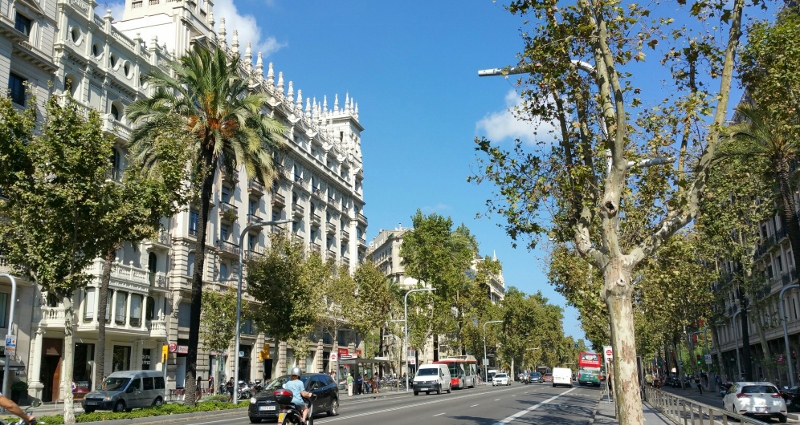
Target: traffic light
(164,353)
(698,362)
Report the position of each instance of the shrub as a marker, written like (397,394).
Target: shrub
(19,386)
(163,410)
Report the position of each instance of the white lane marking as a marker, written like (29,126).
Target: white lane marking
(440,414)
(393,409)
(473,405)
(497,399)
(531,409)
(221,420)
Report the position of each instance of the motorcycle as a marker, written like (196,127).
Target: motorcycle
(289,413)
(244,390)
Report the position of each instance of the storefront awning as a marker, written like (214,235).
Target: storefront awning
(14,365)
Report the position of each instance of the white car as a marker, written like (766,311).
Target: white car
(757,399)
(501,379)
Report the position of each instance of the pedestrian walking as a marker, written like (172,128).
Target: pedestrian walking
(229,387)
(210,384)
(697,382)
(350,384)
(359,384)
(376,381)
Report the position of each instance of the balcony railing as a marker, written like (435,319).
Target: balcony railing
(114,174)
(316,219)
(316,247)
(345,235)
(298,210)
(362,240)
(780,233)
(331,253)
(193,232)
(228,247)
(255,186)
(362,219)
(277,229)
(278,199)
(53,316)
(316,192)
(345,259)
(159,280)
(330,227)
(164,238)
(252,218)
(125,274)
(158,328)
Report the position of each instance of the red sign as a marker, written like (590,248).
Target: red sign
(173,347)
(342,351)
(358,353)
(694,337)
(183,349)
(780,358)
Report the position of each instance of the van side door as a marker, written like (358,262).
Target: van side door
(133,394)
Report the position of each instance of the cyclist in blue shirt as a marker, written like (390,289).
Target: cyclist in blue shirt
(297,387)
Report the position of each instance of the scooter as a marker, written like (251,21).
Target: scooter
(244,391)
(289,413)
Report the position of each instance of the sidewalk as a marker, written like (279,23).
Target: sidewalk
(604,414)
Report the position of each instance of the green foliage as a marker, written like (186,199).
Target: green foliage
(218,322)
(285,283)
(375,299)
(163,410)
(529,322)
(55,187)
(339,300)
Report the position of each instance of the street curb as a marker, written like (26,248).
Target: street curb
(176,418)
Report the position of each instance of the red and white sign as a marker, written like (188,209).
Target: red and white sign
(173,347)
(358,353)
(333,357)
(342,351)
(608,353)
(183,349)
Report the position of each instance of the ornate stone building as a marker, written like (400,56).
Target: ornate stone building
(62,48)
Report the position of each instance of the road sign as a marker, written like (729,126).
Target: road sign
(708,359)
(576,345)
(173,347)
(608,353)
(11,345)
(241,354)
(333,356)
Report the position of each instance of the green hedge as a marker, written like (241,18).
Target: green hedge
(166,409)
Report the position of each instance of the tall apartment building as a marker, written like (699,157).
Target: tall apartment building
(384,252)
(62,48)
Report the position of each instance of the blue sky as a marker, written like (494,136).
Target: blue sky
(412,68)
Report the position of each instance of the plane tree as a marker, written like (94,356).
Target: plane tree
(582,60)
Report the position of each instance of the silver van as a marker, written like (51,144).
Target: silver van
(126,390)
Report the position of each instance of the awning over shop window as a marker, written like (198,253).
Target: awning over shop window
(14,365)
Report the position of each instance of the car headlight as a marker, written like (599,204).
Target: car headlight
(252,400)
(107,398)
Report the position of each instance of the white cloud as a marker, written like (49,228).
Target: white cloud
(436,208)
(248,29)
(502,125)
(116,10)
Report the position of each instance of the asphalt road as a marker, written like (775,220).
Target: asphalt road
(484,405)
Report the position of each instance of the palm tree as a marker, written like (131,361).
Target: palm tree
(229,130)
(760,134)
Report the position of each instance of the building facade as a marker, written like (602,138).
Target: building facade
(62,48)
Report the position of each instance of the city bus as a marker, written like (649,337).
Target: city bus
(463,370)
(588,369)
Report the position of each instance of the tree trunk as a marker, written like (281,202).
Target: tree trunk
(436,347)
(617,293)
(747,362)
(789,212)
(67,364)
(678,361)
(768,358)
(100,350)
(197,282)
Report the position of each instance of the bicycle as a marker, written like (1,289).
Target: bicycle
(34,403)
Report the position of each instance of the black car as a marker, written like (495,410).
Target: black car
(535,377)
(264,407)
(792,398)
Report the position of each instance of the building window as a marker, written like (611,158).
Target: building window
(90,300)
(223,271)
(136,310)
(3,309)
(151,309)
(194,220)
(226,195)
(115,112)
(23,24)
(190,265)
(16,88)
(119,314)
(224,231)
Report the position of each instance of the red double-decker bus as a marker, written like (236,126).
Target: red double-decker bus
(589,368)
(463,371)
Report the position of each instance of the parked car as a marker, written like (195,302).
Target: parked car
(792,398)
(126,390)
(757,399)
(501,379)
(263,405)
(535,377)
(548,377)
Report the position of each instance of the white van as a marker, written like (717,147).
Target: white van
(562,376)
(432,377)
(125,390)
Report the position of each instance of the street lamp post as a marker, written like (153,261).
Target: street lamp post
(485,373)
(239,298)
(405,323)
(786,333)
(736,331)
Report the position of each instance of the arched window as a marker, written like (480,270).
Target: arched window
(223,271)
(190,265)
(152,266)
(115,111)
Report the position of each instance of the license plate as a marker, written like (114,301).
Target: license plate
(761,409)
(91,403)
(281,417)
(423,389)
(262,408)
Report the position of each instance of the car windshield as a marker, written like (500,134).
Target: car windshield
(500,375)
(277,383)
(759,389)
(536,375)
(116,384)
(428,372)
